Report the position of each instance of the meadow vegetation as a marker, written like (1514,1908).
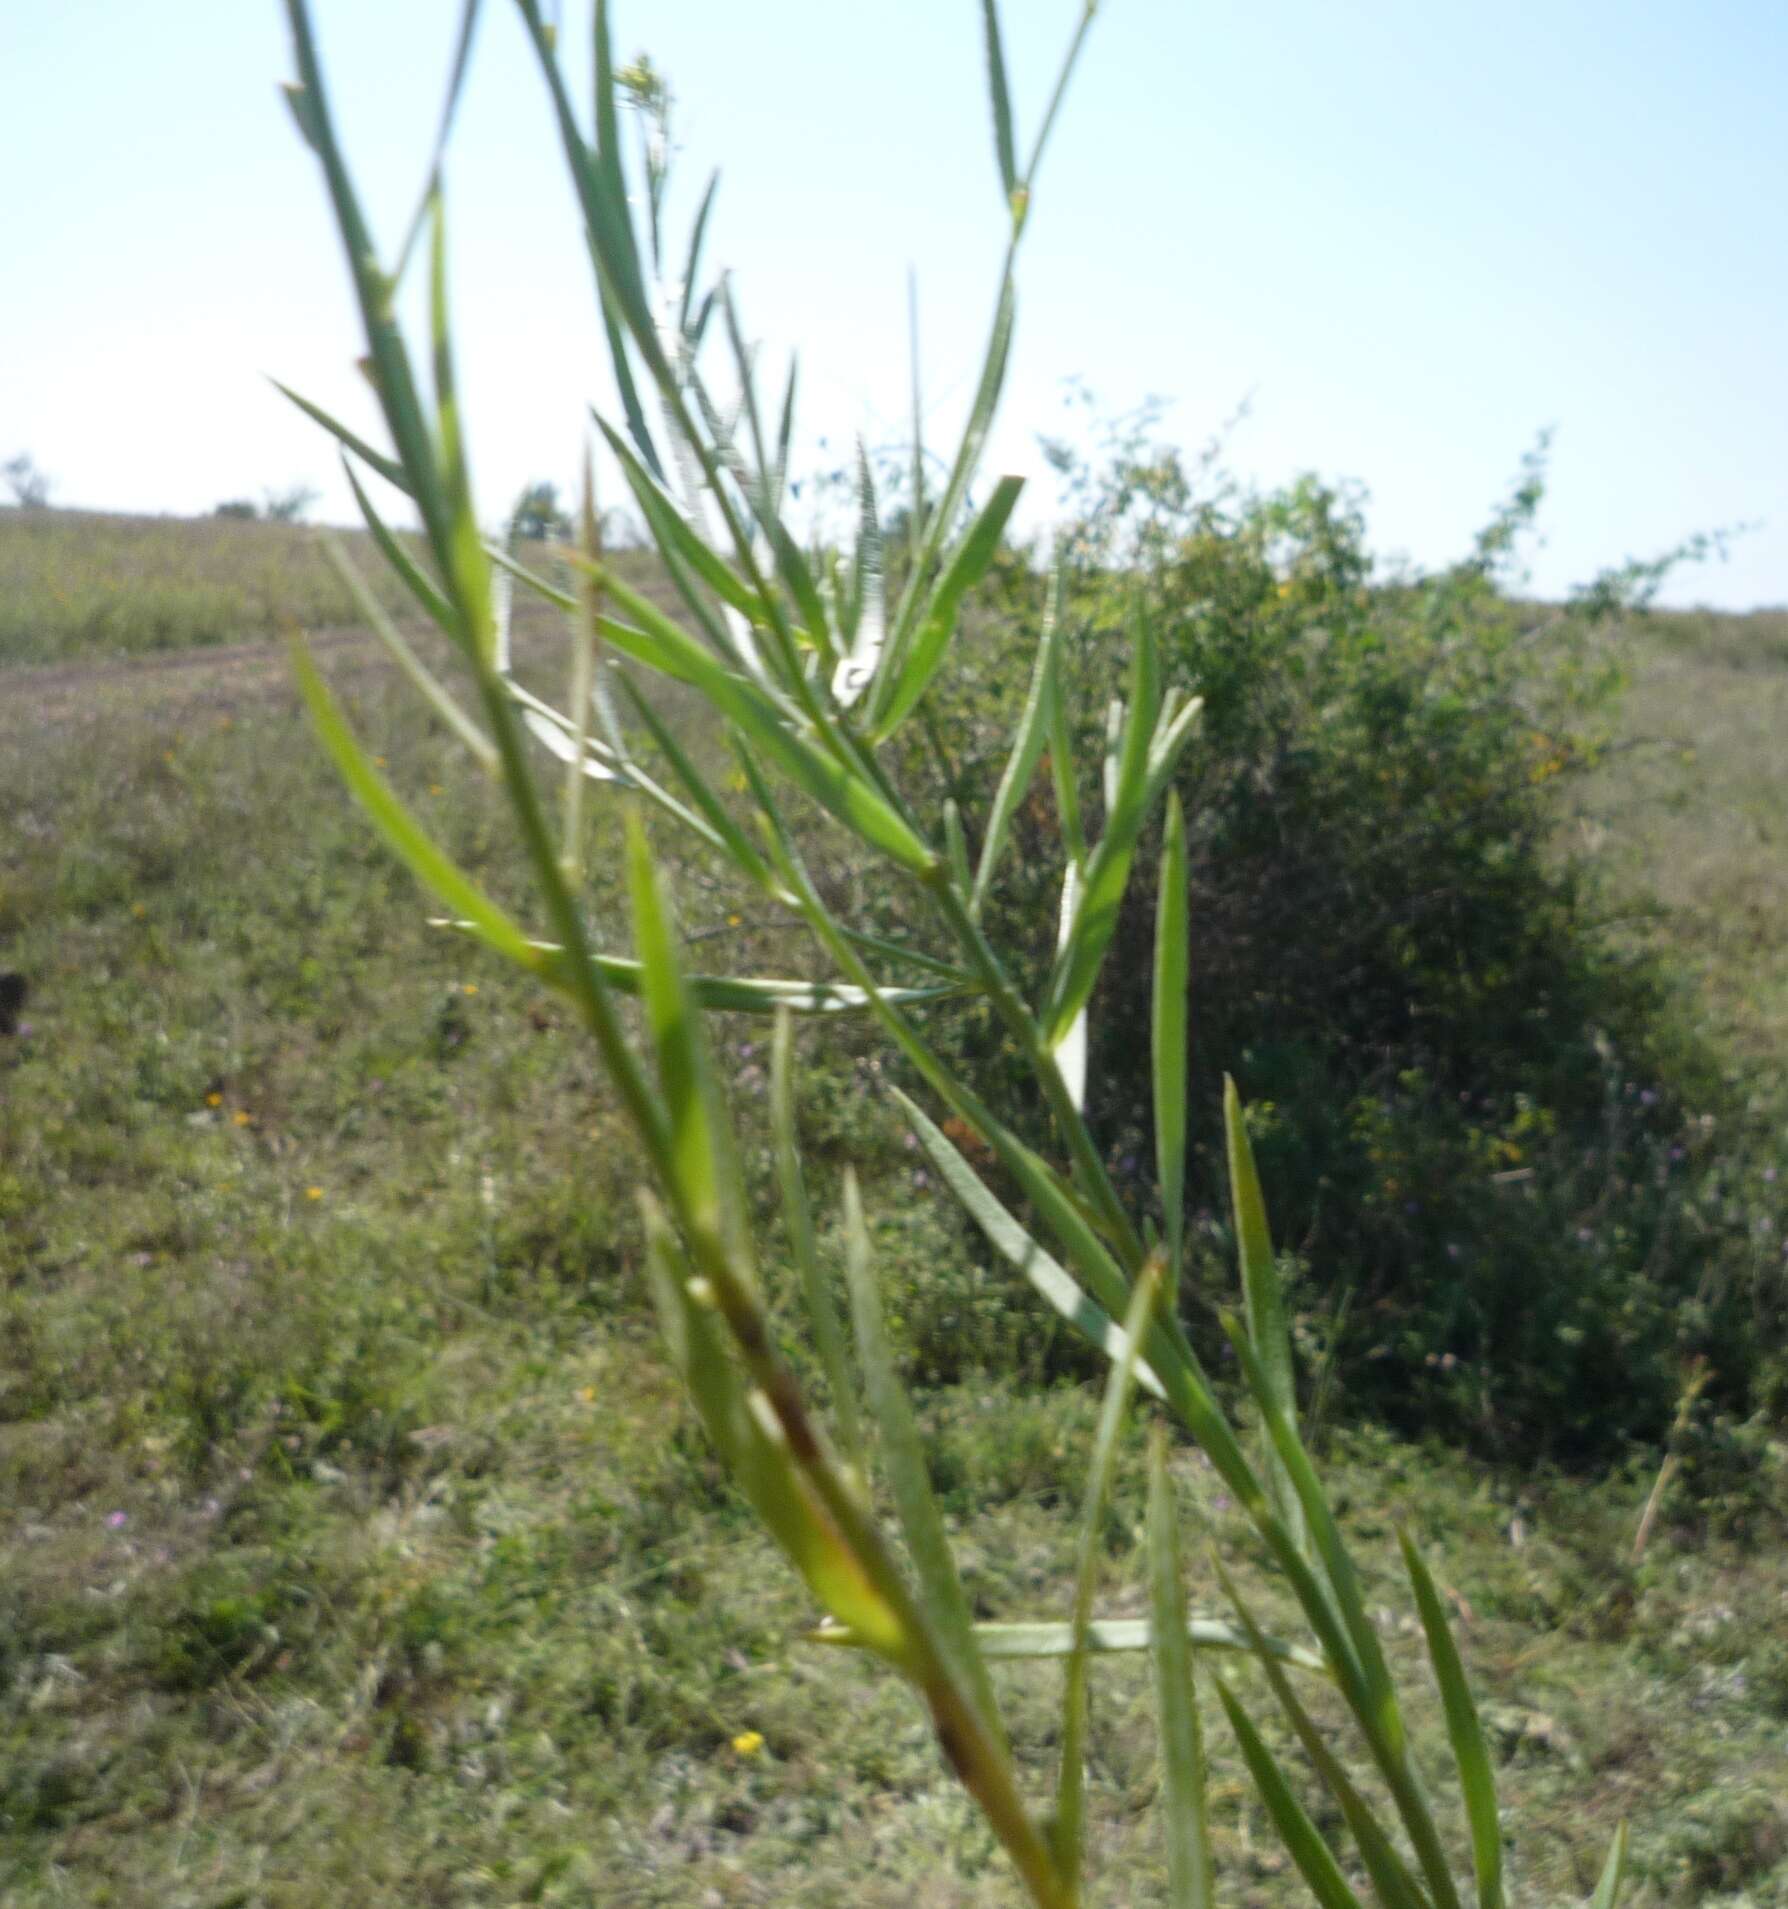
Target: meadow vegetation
(363,1545)
(359,1546)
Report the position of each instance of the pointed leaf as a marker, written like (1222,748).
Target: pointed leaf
(1070,1810)
(1191,1882)
(797,1217)
(1613,1872)
(969,564)
(1477,1777)
(1001,99)
(401,831)
(1169,1031)
(1027,747)
(1301,1838)
(903,1456)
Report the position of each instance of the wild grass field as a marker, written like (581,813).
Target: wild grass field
(358,1545)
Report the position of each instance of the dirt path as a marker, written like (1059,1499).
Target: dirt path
(169,682)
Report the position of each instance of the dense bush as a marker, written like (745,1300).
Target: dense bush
(1502,1167)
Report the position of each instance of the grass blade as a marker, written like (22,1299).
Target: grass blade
(1027,747)
(1191,1881)
(703,1174)
(403,834)
(462,56)
(415,579)
(1000,97)
(387,467)
(1113,1635)
(967,566)
(1391,1877)
(1169,1030)
(1316,1863)
(903,1455)
(1614,1873)
(1070,1809)
(1368,1686)
(1477,1777)
(428,685)
(1053,1284)
(1263,1299)
(1061,769)
(797,1216)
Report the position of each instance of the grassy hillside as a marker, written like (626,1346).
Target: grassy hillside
(358,1547)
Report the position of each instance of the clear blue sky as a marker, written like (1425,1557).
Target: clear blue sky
(1413,233)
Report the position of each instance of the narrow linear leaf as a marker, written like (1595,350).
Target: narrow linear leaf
(1303,1842)
(1070,1802)
(1391,1877)
(903,1455)
(462,57)
(1337,1594)
(1477,1776)
(1263,1299)
(1008,1238)
(1169,1032)
(387,467)
(755,1452)
(710,1202)
(1191,1878)
(1614,1872)
(1027,747)
(1018,1642)
(402,833)
(432,690)
(415,579)
(967,566)
(1001,99)
(797,1217)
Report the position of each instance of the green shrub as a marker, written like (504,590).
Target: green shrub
(1480,1114)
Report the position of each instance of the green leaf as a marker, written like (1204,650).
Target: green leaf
(903,1456)
(1027,747)
(1146,761)
(797,1217)
(1391,1878)
(465,567)
(754,1449)
(956,846)
(462,56)
(670,529)
(691,266)
(1614,1872)
(432,690)
(402,833)
(1054,1285)
(387,467)
(724,993)
(1110,1635)
(726,833)
(1070,1810)
(1263,1301)
(968,456)
(1477,1777)
(1358,1654)
(709,1201)
(1302,1841)
(1191,1881)
(912,675)
(416,580)
(1061,765)
(844,791)
(1169,1030)
(1002,104)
